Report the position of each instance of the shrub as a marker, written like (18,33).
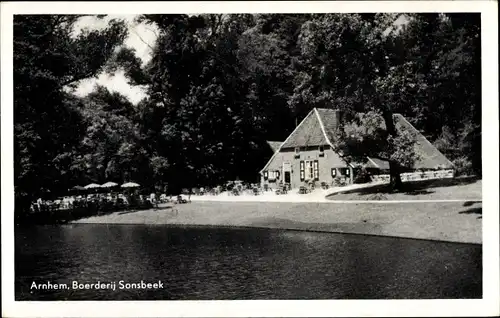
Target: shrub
(339,182)
(463,166)
(362,177)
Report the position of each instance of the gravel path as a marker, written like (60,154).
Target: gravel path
(446,221)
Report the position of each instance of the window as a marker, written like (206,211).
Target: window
(272,175)
(297,152)
(316,170)
(321,151)
(302,171)
(277,174)
(334,172)
(265,175)
(309,170)
(344,171)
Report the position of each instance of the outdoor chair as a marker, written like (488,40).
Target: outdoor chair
(218,190)
(256,191)
(302,190)
(284,189)
(235,191)
(181,200)
(266,187)
(324,186)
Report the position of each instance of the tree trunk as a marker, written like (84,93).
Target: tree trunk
(396,182)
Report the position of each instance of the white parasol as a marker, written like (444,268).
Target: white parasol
(130,185)
(109,185)
(92,186)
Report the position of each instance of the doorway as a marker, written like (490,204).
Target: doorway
(287,172)
(287,177)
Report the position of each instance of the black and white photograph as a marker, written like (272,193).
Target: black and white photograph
(254,154)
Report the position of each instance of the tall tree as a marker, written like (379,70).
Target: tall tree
(415,64)
(47,59)
(345,64)
(111,149)
(447,49)
(198,106)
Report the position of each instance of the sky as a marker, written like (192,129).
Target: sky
(140,37)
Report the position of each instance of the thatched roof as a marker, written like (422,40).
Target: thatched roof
(320,125)
(308,133)
(274,145)
(330,120)
(377,163)
(430,156)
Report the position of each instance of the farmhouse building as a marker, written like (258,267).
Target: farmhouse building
(308,154)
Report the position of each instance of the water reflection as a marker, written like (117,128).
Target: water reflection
(210,263)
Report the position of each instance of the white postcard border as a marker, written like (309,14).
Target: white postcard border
(489,305)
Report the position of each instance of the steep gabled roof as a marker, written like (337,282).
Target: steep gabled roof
(274,145)
(310,132)
(330,120)
(377,163)
(430,156)
(320,125)
(307,133)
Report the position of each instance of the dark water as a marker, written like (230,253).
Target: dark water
(208,263)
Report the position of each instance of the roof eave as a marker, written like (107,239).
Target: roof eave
(284,142)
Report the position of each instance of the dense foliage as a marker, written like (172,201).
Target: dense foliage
(218,86)
(48,124)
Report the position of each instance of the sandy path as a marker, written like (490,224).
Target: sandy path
(447,221)
(318,195)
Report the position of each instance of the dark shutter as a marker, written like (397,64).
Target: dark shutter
(316,170)
(277,174)
(302,172)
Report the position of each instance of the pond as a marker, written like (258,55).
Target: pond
(200,263)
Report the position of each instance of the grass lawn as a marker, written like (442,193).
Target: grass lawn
(448,221)
(443,189)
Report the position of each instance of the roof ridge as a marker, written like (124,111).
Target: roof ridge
(322,126)
(426,140)
(335,109)
(279,149)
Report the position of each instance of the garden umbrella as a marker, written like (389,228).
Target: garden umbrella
(92,186)
(130,185)
(109,185)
